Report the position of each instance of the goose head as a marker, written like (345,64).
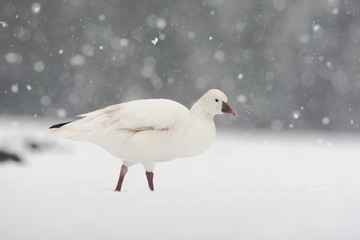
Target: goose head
(211,103)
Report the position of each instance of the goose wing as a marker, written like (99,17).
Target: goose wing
(139,115)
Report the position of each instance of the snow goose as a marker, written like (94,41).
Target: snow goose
(149,131)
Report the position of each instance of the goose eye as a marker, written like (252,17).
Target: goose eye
(216,100)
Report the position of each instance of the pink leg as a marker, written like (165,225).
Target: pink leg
(150,176)
(123,171)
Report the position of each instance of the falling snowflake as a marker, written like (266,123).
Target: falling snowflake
(191,35)
(12,57)
(155,41)
(35,8)
(61,113)
(14,88)
(241,98)
(88,50)
(316,27)
(162,36)
(219,56)
(296,114)
(325,120)
(39,66)
(101,17)
(4,24)
(160,23)
(77,60)
(45,100)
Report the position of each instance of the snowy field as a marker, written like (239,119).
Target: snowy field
(248,185)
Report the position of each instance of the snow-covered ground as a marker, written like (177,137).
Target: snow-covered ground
(246,186)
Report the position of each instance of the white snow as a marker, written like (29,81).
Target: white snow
(162,36)
(240,26)
(151,20)
(77,60)
(4,24)
(316,27)
(241,98)
(45,100)
(22,33)
(116,43)
(88,50)
(160,23)
(191,35)
(39,66)
(15,88)
(219,55)
(154,42)
(101,17)
(61,113)
(35,8)
(325,120)
(124,42)
(12,57)
(304,39)
(296,114)
(246,186)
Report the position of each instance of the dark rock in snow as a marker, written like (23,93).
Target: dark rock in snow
(33,146)
(38,145)
(8,156)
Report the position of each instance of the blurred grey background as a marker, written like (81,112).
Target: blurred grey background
(283,64)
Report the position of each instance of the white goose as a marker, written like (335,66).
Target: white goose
(149,131)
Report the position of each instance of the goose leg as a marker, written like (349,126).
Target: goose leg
(123,171)
(150,176)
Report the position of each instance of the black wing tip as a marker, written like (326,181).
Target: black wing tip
(59,125)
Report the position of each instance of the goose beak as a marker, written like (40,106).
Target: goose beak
(226,108)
